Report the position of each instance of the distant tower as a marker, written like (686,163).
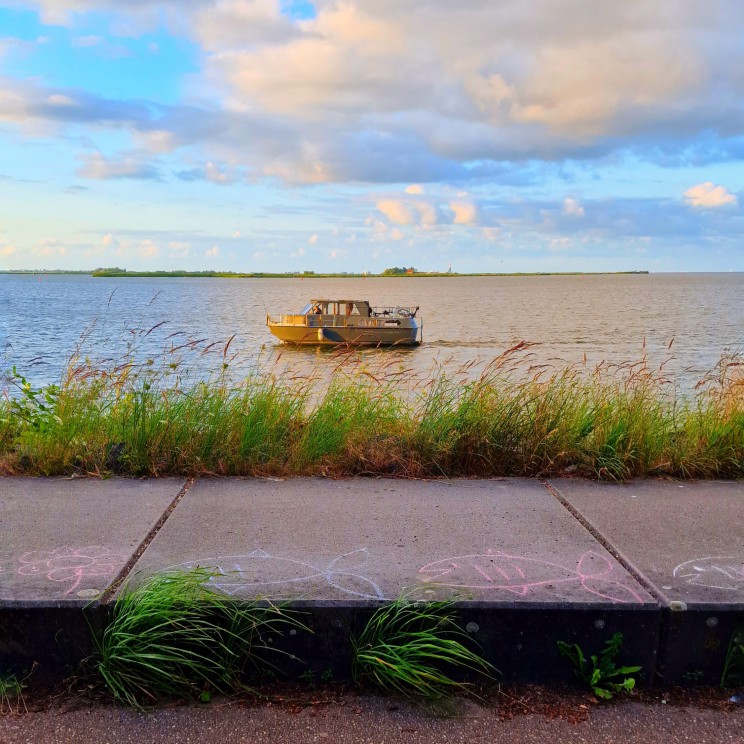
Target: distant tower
(449,270)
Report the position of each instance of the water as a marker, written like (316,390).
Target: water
(43,320)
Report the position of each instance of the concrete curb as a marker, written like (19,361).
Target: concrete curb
(675,641)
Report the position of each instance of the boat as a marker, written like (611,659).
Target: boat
(352,322)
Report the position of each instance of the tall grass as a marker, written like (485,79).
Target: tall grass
(174,637)
(415,649)
(606,423)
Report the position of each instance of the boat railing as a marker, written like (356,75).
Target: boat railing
(397,311)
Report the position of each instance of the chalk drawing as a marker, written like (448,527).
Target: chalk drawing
(260,572)
(71,564)
(714,572)
(497,571)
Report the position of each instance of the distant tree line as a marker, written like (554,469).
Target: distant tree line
(399,271)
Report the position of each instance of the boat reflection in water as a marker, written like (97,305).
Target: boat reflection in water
(352,322)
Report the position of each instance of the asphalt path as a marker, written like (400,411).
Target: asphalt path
(353,719)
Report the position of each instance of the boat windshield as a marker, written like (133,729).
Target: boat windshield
(305,310)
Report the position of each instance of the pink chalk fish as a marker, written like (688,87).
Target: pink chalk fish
(518,575)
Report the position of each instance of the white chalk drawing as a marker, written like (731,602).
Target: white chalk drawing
(72,565)
(260,573)
(715,572)
(496,571)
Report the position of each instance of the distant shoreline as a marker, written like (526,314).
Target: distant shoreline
(268,275)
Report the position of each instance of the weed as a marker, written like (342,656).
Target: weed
(11,692)
(173,636)
(733,668)
(601,674)
(412,648)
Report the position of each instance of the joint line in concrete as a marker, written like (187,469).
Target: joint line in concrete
(604,542)
(122,575)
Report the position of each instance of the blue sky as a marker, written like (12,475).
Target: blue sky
(268,135)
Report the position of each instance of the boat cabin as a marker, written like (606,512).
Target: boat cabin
(360,308)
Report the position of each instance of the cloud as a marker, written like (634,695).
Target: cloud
(147,249)
(212,252)
(313,239)
(51,248)
(7,250)
(421,91)
(572,207)
(466,213)
(178,248)
(409,211)
(709,195)
(397,211)
(211,172)
(299,252)
(98,167)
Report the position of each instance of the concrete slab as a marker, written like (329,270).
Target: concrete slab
(494,541)
(66,540)
(687,541)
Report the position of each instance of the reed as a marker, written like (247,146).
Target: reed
(608,423)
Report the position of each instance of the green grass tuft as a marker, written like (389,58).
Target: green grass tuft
(174,637)
(414,648)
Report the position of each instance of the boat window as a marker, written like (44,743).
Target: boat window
(305,310)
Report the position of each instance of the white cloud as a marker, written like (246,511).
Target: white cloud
(57,99)
(397,211)
(236,234)
(707,194)
(410,211)
(156,141)
(572,207)
(147,249)
(98,167)
(299,252)
(214,174)
(178,248)
(420,91)
(313,239)
(7,250)
(466,213)
(51,248)
(212,252)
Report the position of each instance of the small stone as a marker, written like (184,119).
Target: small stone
(472,627)
(711,622)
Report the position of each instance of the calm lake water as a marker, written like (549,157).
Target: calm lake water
(466,320)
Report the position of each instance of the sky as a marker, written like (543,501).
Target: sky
(356,135)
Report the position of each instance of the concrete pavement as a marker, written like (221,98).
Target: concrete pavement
(527,562)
